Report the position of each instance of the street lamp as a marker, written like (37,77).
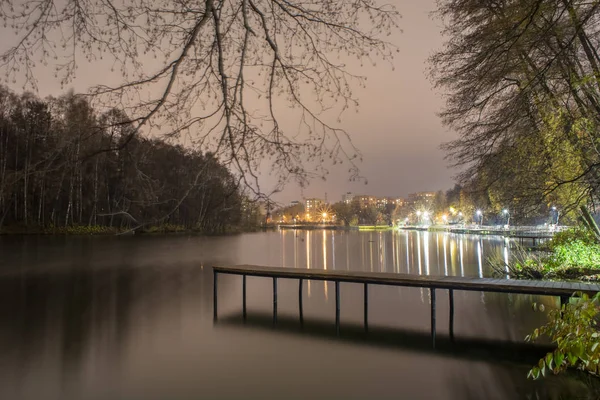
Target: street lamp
(324,216)
(425,216)
(505,212)
(480,215)
(444,218)
(557,211)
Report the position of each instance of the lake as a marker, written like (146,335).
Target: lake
(132,318)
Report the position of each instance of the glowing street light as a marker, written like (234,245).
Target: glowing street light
(480,215)
(505,212)
(445,218)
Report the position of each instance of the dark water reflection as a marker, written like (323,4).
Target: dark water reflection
(131,318)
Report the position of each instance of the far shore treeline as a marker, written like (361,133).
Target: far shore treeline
(64,167)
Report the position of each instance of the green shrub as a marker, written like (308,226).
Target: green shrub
(572,254)
(575,331)
(571,235)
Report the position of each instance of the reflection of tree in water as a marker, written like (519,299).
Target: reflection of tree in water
(40,312)
(66,317)
(483,381)
(490,382)
(511,316)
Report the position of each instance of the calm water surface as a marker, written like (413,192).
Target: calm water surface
(132,318)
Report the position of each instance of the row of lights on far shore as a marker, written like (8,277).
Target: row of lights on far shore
(479,213)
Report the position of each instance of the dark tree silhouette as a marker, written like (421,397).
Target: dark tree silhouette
(45,182)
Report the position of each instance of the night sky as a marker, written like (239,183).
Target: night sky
(396,129)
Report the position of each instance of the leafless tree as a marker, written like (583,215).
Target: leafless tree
(222,71)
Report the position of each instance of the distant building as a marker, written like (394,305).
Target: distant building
(383,202)
(348,197)
(312,205)
(294,203)
(421,199)
(400,201)
(365,201)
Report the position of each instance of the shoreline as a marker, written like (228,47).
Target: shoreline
(108,231)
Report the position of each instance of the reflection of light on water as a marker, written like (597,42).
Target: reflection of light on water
(395,252)
(479,255)
(407,254)
(445,242)
(506,261)
(324,249)
(295,249)
(426,249)
(460,256)
(419,252)
(437,248)
(381,252)
(308,235)
(371,250)
(325,261)
(332,250)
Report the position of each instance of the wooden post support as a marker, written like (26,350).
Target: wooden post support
(300,301)
(274,300)
(451,301)
(244,295)
(366,307)
(214,294)
(337,307)
(432,292)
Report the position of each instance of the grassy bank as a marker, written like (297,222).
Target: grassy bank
(573,254)
(61,230)
(375,227)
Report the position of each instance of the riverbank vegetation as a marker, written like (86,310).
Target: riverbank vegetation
(67,169)
(523,93)
(575,330)
(522,80)
(571,254)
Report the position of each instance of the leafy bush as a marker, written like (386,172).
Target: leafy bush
(571,235)
(572,254)
(575,330)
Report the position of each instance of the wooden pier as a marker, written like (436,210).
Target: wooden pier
(450,283)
